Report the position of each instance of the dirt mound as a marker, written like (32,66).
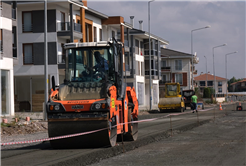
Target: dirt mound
(23,128)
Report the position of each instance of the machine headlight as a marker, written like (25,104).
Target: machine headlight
(97,106)
(57,107)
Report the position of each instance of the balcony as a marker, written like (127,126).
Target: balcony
(146,52)
(63,30)
(65,26)
(166,69)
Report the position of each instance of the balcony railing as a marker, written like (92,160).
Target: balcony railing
(167,68)
(153,73)
(65,26)
(27,28)
(14,13)
(146,52)
(61,59)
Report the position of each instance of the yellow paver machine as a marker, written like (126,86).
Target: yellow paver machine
(173,99)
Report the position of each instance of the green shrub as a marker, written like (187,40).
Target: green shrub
(206,93)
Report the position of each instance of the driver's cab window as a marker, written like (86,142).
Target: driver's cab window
(89,64)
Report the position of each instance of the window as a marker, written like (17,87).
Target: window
(27,21)
(95,34)
(113,34)
(63,21)
(140,93)
(142,69)
(163,63)
(14,41)
(136,46)
(100,34)
(141,48)
(179,78)
(164,78)
(219,83)
(219,89)
(13,10)
(202,83)
(27,54)
(178,64)
(137,68)
(5,91)
(210,83)
(1,40)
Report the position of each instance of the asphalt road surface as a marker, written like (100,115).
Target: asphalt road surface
(149,132)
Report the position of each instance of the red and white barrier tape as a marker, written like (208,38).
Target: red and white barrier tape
(89,132)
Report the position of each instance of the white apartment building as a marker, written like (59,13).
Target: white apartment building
(88,26)
(207,80)
(137,65)
(177,67)
(8,47)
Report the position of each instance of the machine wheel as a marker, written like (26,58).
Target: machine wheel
(132,133)
(181,109)
(107,137)
(239,108)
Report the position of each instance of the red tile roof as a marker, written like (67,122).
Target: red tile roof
(244,80)
(203,77)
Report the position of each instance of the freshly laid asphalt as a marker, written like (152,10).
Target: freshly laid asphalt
(149,133)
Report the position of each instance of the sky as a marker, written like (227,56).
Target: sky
(174,20)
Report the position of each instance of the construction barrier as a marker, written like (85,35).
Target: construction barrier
(232,107)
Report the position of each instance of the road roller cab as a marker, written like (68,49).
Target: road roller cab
(93,97)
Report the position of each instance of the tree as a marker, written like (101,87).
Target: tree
(206,93)
(232,80)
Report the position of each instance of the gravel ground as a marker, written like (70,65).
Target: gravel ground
(219,143)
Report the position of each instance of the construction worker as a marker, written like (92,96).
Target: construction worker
(194,103)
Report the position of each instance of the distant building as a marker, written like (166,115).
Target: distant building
(207,80)
(8,46)
(239,86)
(176,67)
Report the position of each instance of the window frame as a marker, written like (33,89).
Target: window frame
(100,34)
(95,33)
(181,78)
(219,83)
(1,39)
(177,65)
(23,12)
(23,50)
(162,62)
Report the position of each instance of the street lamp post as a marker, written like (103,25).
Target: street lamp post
(226,73)
(192,50)
(206,73)
(150,80)
(46,93)
(214,69)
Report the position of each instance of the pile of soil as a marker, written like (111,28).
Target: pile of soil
(23,128)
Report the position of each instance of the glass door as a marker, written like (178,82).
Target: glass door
(4,92)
